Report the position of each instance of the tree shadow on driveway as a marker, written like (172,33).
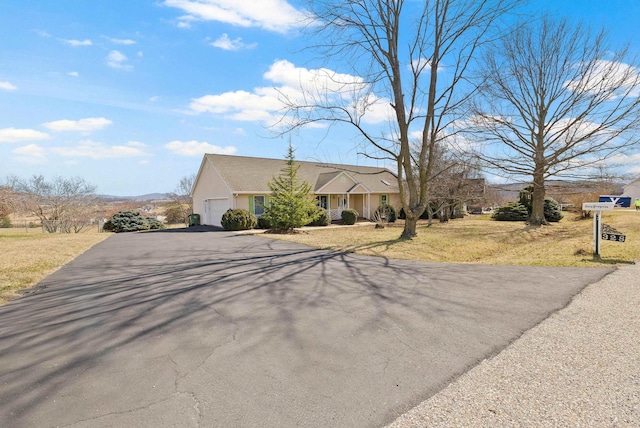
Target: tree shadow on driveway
(255,331)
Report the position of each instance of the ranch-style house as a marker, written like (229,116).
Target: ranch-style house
(225,182)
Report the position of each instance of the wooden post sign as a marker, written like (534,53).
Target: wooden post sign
(597,208)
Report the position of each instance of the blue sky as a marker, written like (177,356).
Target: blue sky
(130,94)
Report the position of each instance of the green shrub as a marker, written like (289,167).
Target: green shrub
(552,210)
(238,219)
(5,222)
(322,217)
(512,211)
(349,216)
(389,212)
(129,221)
(107,226)
(423,216)
(155,224)
(264,222)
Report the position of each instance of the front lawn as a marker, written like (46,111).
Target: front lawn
(477,239)
(30,255)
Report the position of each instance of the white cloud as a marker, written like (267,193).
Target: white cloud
(13,135)
(96,150)
(73,74)
(623,160)
(224,42)
(605,76)
(137,144)
(422,64)
(296,83)
(76,43)
(31,150)
(121,41)
(83,125)
(238,105)
(140,54)
(8,86)
(195,148)
(41,33)
(272,15)
(117,59)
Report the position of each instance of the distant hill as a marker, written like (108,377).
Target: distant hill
(147,197)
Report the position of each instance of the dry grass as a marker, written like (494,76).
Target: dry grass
(479,240)
(27,257)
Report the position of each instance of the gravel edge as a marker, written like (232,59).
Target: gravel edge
(579,367)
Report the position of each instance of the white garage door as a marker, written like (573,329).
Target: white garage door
(215,209)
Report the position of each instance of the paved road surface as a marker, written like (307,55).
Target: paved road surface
(216,329)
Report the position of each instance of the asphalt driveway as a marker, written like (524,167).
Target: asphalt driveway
(216,329)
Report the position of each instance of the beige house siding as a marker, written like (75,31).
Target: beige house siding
(356,202)
(394,201)
(337,186)
(210,184)
(242,202)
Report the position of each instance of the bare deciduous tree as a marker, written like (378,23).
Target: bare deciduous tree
(556,101)
(7,201)
(61,204)
(454,180)
(181,197)
(409,62)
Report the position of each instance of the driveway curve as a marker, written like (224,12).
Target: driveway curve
(181,328)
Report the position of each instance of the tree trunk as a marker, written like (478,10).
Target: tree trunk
(409,231)
(537,202)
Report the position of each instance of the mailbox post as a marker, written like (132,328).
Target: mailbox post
(597,208)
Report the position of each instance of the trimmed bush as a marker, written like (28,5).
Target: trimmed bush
(387,211)
(552,210)
(263,222)
(322,217)
(107,226)
(349,216)
(129,221)
(155,224)
(238,219)
(512,211)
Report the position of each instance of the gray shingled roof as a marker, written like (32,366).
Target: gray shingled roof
(249,174)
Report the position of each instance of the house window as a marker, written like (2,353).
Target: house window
(258,205)
(323,201)
(384,199)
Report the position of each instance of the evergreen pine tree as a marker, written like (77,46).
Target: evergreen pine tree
(290,205)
